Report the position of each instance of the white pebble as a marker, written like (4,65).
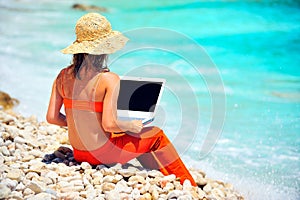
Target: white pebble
(126,172)
(168,187)
(185,197)
(35,187)
(136,179)
(113,195)
(1,142)
(19,140)
(28,192)
(31,175)
(20,187)
(15,174)
(207,188)
(4,151)
(142,173)
(11,184)
(108,186)
(107,171)
(187,184)
(52,175)
(16,195)
(135,194)
(85,165)
(122,186)
(175,194)
(41,196)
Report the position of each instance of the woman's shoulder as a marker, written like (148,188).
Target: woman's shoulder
(109,80)
(110,76)
(66,70)
(62,74)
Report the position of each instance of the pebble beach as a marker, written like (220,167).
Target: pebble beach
(36,163)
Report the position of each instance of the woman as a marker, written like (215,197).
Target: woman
(89,93)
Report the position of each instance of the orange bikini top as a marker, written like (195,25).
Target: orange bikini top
(95,106)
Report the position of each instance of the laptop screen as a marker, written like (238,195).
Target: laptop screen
(138,95)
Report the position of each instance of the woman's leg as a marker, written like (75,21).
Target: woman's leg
(149,161)
(154,150)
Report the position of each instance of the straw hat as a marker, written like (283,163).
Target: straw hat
(95,36)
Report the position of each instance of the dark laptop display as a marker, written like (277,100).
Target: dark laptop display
(138,95)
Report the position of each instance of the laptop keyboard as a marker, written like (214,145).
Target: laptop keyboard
(130,118)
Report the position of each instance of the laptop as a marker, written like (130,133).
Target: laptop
(139,98)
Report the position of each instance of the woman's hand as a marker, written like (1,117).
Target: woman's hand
(136,126)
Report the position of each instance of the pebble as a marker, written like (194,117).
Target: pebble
(137,179)
(217,193)
(98,174)
(113,195)
(107,171)
(35,187)
(31,175)
(4,191)
(108,178)
(52,175)
(187,185)
(146,196)
(169,187)
(19,140)
(207,188)
(135,194)
(27,158)
(122,186)
(35,165)
(40,196)
(20,187)
(85,165)
(27,191)
(185,197)
(96,181)
(15,174)
(108,186)
(16,195)
(155,173)
(4,151)
(11,184)
(126,173)
(143,173)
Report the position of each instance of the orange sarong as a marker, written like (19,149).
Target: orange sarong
(152,151)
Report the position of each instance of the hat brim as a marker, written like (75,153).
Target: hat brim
(105,45)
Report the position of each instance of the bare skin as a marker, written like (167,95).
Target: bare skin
(90,130)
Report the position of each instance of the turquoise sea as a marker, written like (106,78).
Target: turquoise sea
(232,71)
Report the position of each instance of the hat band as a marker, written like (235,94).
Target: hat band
(96,38)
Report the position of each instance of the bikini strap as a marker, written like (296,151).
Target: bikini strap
(94,89)
(62,82)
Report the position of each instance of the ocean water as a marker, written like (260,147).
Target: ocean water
(232,100)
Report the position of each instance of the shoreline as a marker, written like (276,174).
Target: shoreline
(25,142)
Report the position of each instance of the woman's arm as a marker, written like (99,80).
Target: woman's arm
(109,117)
(54,116)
